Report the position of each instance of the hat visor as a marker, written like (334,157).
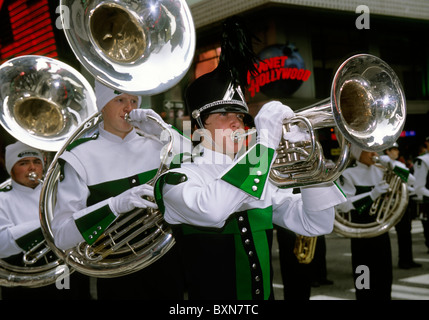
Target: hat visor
(248,119)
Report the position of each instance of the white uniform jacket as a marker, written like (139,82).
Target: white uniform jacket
(19,218)
(95,170)
(357,183)
(421,168)
(207,200)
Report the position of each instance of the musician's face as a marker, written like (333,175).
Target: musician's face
(114,114)
(220,126)
(23,168)
(366,157)
(393,153)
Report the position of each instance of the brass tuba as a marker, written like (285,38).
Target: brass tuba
(141,48)
(42,101)
(367,108)
(387,210)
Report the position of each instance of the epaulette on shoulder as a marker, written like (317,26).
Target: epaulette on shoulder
(78,142)
(6,189)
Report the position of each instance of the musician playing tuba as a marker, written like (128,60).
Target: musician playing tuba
(364,183)
(106,176)
(20,225)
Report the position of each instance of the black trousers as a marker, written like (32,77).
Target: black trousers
(403,231)
(162,280)
(375,254)
(296,276)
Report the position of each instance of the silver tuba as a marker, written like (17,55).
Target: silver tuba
(141,48)
(42,101)
(367,108)
(387,210)
(135,46)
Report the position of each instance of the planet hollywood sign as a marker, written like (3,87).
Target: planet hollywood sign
(279,74)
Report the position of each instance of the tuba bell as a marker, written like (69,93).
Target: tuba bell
(42,101)
(367,108)
(134,46)
(140,48)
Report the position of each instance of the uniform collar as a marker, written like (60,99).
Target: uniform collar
(113,137)
(22,188)
(207,156)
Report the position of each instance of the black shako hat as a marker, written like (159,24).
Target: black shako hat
(222,90)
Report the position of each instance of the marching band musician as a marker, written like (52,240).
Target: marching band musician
(106,176)
(20,225)
(363,184)
(220,203)
(18,231)
(421,172)
(403,227)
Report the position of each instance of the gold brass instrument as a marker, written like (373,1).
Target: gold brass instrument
(304,248)
(134,241)
(387,210)
(42,101)
(141,48)
(367,108)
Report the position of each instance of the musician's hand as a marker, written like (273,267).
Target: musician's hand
(139,118)
(296,134)
(386,162)
(269,123)
(131,199)
(379,189)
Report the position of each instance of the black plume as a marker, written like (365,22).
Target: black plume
(237,53)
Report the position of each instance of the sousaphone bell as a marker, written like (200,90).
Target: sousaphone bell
(42,102)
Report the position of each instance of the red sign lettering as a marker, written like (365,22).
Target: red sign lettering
(273,69)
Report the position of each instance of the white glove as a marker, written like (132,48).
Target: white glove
(379,189)
(386,161)
(296,134)
(139,119)
(269,123)
(132,198)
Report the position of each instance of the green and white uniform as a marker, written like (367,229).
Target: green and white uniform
(94,171)
(19,219)
(222,212)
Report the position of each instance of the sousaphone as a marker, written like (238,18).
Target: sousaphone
(141,48)
(42,102)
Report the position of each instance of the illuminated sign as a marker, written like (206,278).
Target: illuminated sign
(281,72)
(410,133)
(31,30)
